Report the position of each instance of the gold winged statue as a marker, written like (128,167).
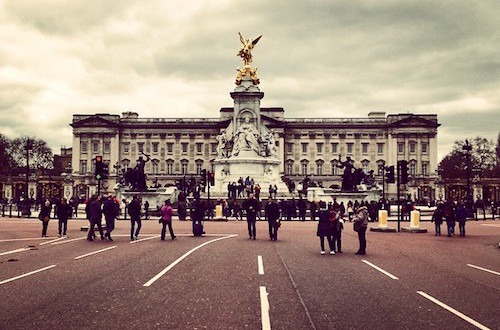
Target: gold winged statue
(246,56)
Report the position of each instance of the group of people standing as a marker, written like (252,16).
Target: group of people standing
(451,213)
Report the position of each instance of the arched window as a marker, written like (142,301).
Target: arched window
(319,167)
(303,165)
(184,166)
(199,166)
(289,167)
(170,166)
(155,166)
(335,169)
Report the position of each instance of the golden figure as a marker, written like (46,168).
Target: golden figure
(246,55)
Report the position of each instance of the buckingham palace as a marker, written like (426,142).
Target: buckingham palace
(313,147)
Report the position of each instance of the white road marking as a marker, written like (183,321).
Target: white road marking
(169,267)
(264,309)
(380,270)
(490,225)
(54,240)
(27,274)
(14,251)
(95,252)
(23,239)
(260,265)
(484,269)
(453,311)
(68,240)
(144,239)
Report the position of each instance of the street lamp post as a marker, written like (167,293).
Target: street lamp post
(468,148)
(28,147)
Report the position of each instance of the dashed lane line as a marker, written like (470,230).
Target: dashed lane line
(484,269)
(260,265)
(54,240)
(95,252)
(27,274)
(185,255)
(68,240)
(144,239)
(380,270)
(14,251)
(453,311)
(23,239)
(264,309)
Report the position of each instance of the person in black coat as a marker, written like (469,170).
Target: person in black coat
(251,206)
(134,210)
(272,211)
(437,218)
(64,212)
(95,218)
(110,210)
(325,229)
(44,216)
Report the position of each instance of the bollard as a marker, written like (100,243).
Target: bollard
(218,211)
(415,219)
(382,218)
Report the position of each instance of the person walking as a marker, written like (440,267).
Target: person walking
(324,229)
(251,206)
(337,225)
(64,212)
(110,210)
(197,216)
(95,218)
(449,214)
(134,210)
(461,215)
(166,220)
(44,216)
(361,224)
(272,211)
(437,218)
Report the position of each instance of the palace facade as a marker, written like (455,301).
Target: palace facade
(182,147)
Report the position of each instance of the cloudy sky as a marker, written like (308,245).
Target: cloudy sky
(331,58)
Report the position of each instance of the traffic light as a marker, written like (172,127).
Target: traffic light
(105,170)
(403,167)
(98,167)
(204,177)
(212,178)
(389,174)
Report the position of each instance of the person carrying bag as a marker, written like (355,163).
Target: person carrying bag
(166,220)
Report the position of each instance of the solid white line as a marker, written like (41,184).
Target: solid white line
(454,311)
(484,269)
(54,240)
(68,240)
(164,271)
(23,239)
(264,309)
(144,239)
(14,251)
(380,270)
(490,225)
(260,264)
(95,252)
(27,274)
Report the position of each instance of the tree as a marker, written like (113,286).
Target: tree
(6,161)
(483,159)
(40,155)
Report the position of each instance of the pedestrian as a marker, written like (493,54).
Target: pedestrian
(437,218)
(272,211)
(197,216)
(461,216)
(44,217)
(360,225)
(64,212)
(95,218)
(110,210)
(166,220)
(449,215)
(251,207)
(337,225)
(146,210)
(134,210)
(302,206)
(324,229)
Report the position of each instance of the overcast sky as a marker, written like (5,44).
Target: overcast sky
(316,59)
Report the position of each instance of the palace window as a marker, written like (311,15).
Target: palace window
(335,148)
(380,148)
(349,148)
(424,147)
(155,167)
(95,147)
(184,167)
(184,146)
(170,148)
(170,167)
(319,168)
(199,167)
(412,168)
(364,148)
(289,168)
(213,147)
(304,148)
(365,166)
(126,147)
(304,165)
(401,147)
(199,148)
(335,169)
(83,167)
(155,147)
(425,169)
(140,147)
(84,147)
(107,147)
(413,147)
(289,148)
(319,148)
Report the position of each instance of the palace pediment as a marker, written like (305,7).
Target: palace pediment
(414,121)
(93,121)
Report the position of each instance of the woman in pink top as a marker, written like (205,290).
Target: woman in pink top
(166,219)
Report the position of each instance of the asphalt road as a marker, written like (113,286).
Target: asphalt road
(226,281)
